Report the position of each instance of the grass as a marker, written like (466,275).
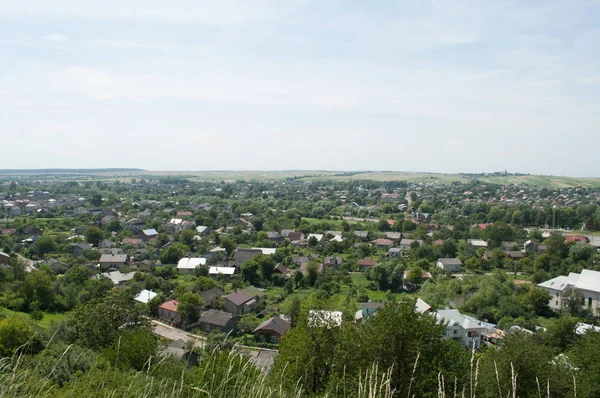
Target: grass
(45,322)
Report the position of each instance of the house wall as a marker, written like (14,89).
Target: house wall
(232,308)
(449,267)
(594,296)
(267,336)
(230,327)
(169,315)
(105,266)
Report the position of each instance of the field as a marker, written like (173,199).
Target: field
(320,175)
(45,322)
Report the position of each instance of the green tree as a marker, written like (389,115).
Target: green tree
(45,244)
(189,306)
(173,253)
(15,332)
(250,271)
(93,235)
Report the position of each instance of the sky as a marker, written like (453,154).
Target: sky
(407,85)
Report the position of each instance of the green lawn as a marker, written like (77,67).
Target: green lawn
(45,322)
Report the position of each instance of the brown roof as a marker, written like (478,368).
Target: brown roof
(170,305)
(218,318)
(367,262)
(292,236)
(382,241)
(275,324)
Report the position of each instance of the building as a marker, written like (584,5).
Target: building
(463,328)
(218,320)
(449,264)
(406,243)
(366,310)
(149,234)
(167,311)
(242,255)
(117,277)
(187,265)
(112,261)
(271,330)
(383,243)
(4,259)
(211,296)
(145,296)
(235,302)
(587,283)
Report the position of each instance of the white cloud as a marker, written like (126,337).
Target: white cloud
(55,37)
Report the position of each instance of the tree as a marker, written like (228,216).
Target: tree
(114,226)
(187,237)
(267,266)
(189,306)
(15,332)
(173,253)
(204,283)
(93,235)
(250,271)
(449,248)
(40,289)
(573,301)
(96,199)
(415,275)
(45,244)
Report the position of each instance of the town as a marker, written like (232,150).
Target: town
(259,266)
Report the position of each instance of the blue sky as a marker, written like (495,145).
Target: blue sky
(448,86)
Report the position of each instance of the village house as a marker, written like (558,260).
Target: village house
(149,234)
(112,261)
(272,330)
(187,265)
(587,283)
(167,311)
(211,296)
(463,328)
(382,243)
(405,244)
(145,296)
(4,259)
(395,252)
(365,263)
(224,322)
(240,255)
(366,310)
(234,302)
(449,264)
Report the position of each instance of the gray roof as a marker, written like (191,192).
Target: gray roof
(113,258)
(238,297)
(218,318)
(275,324)
(450,261)
(211,294)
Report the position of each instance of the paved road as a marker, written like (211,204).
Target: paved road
(173,333)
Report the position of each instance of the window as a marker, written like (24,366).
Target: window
(589,301)
(455,332)
(556,302)
(556,294)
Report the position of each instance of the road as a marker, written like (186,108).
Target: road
(262,358)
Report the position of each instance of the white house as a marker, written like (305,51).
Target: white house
(587,283)
(221,271)
(187,265)
(449,264)
(463,328)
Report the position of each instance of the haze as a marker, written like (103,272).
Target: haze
(446,86)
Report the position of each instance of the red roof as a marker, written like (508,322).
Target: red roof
(391,222)
(438,242)
(576,238)
(367,262)
(484,225)
(170,305)
(382,241)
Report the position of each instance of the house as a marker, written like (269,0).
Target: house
(174,225)
(234,302)
(515,255)
(530,246)
(78,248)
(242,255)
(106,244)
(294,236)
(267,251)
(187,265)
(227,271)
(271,330)
(449,264)
(587,283)
(4,259)
(134,225)
(395,252)
(318,237)
(366,310)
(275,237)
(243,223)
(365,263)
(405,244)
(114,261)
(148,234)
(178,349)
(132,242)
(167,311)
(467,330)
(382,243)
(283,270)
(576,239)
(254,292)
(421,217)
(395,236)
(222,321)
(422,307)
(186,215)
(390,197)
(477,243)
(203,230)
(117,277)
(211,296)
(145,296)
(58,267)
(112,250)
(333,261)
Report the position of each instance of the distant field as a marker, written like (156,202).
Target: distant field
(324,175)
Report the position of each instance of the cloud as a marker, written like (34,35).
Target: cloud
(55,37)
